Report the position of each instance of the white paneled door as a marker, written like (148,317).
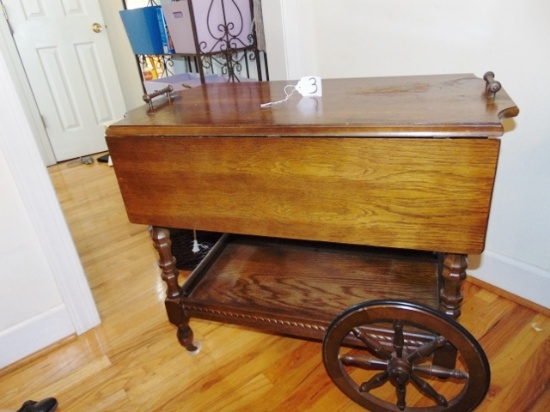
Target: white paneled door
(66,54)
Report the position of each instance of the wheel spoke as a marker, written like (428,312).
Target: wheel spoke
(401,392)
(439,372)
(364,362)
(372,344)
(427,349)
(427,390)
(375,382)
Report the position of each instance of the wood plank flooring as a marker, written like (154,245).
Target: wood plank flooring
(132,362)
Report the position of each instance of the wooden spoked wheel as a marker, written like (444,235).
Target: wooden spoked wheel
(399,356)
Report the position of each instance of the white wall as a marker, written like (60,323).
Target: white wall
(28,291)
(22,256)
(43,291)
(353,38)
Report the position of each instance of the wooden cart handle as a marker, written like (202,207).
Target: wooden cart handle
(491,85)
(148,98)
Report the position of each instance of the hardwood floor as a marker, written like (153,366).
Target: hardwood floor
(132,362)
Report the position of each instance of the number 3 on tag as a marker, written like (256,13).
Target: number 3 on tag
(310,86)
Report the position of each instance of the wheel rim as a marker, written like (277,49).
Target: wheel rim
(392,367)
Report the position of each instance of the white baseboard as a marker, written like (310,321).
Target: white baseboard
(30,336)
(527,281)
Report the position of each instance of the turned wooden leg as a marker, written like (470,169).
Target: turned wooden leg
(452,273)
(169,273)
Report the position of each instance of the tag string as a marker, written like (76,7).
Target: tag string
(283,100)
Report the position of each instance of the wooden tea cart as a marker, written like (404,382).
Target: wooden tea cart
(347,218)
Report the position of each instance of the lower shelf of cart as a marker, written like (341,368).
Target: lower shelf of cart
(298,287)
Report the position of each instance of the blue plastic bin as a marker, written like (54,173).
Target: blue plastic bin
(144,30)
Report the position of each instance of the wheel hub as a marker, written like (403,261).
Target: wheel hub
(399,370)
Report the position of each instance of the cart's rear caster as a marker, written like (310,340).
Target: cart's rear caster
(399,356)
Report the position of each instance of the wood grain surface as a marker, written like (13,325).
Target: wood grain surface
(406,162)
(426,194)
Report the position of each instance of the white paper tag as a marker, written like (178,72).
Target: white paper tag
(307,86)
(310,86)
